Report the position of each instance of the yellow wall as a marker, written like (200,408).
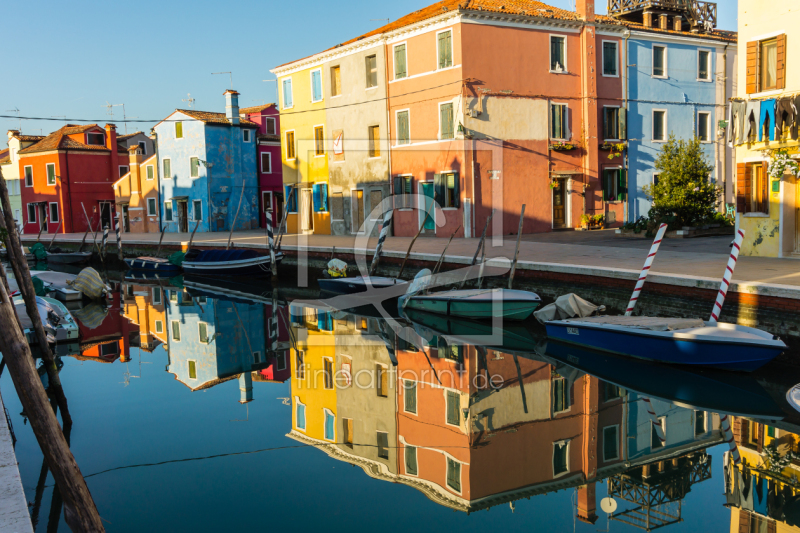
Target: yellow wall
(134,188)
(316,345)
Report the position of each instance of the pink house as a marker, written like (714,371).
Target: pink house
(270,169)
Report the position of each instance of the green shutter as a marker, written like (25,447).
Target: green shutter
(411,460)
(446,120)
(403,136)
(442,55)
(438,189)
(453,408)
(622,185)
(179,130)
(400,61)
(623,123)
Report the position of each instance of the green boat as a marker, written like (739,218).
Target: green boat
(509,304)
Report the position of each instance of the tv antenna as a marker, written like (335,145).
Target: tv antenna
(189,100)
(111,113)
(380,20)
(229,73)
(16,110)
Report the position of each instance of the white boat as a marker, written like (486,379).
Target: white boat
(58,322)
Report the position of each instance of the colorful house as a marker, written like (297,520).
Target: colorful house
(136,194)
(208,169)
(143,305)
(9,165)
(268,159)
(105,332)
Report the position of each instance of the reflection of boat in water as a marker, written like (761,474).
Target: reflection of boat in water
(228,262)
(230,289)
(477,303)
(705,389)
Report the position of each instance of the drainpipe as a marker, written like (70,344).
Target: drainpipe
(626,205)
(158,184)
(388,119)
(724,144)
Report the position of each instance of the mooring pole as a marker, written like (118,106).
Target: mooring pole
(160,239)
(408,253)
(283,218)
(516,249)
(271,245)
(191,238)
(480,246)
(41,228)
(387,221)
(119,240)
(94,232)
(230,235)
(85,234)
(441,257)
(54,236)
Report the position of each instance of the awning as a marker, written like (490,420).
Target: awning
(566,172)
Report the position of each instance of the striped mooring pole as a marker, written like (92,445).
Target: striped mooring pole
(654,420)
(105,239)
(727,434)
(273,322)
(119,239)
(646,269)
(271,243)
(726,278)
(387,221)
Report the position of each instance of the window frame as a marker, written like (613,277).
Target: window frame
(448,460)
(653,74)
(564,67)
(178,126)
(102,138)
(200,336)
(406,388)
(169,218)
(266,201)
(406,448)
(127,170)
(378,444)
(707,114)
(247,135)
(172,330)
(452,47)
(664,135)
(142,146)
(373,144)
(394,60)
(754,203)
(440,132)
(663,422)
(617,138)
(319,142)
(368,73)
(710,77)
(561,444)
(705,423)
(336,82)
(761,64)
(57,219)
(194,167)
(159,326)
(566,131)
(274,122)
(32,220)
(567,395)
(191,363)
(448,393)
(407,197)
(166,162)
(298,403)
(290,146)
(154,211)
(149,173)
(325,413)
(261,162)
(283,93)
(194,211)
(47,168)
(616,59)
(318,70)
(26,175)
(397,114)
(615,427)
(153,299)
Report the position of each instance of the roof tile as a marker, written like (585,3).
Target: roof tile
(254,109)
(214,118)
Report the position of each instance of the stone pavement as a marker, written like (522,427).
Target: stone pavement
(14,514)
(697,262)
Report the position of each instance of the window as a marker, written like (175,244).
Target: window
(372,71)
(445,49)
(768,56)
(659,61)
(168,211)
(383,444)
(150,172)
(446,130)
(704,65)
(179,130)
(109,349)
(558,56)
(31,213)
(655,442)
(611,443)
(755,188)
(143,147)
(95,139)
(330,421)
(266,201)
(655,178)
(287,93)
(290,145)
(194,167)
(266,163)
(316,85)
(54,212)
(453,408)
(173,296)
(611,123)
(202,331)
(270,124)
(156,295)
(558,121)
(560,458)
(151,207)
(159,326)
(336,81)
(256,358)
(659,125)
(291,198)
(410,396)
(704,126)
(176,330)
(192,369)
(454,474)
(375,199)
(167,164)
(197,210)
(246,135)
(610,58)
(699,422)
(403,189)
(28,176)
(403,129)
(614,184)
(445,189)
(300,370)
(319,196)
(611,392)
(123,169)
(51,173)
(327,368)
(400,70)
(319,140)
(347,431)
(561,396)
(374,133)
(300,415)
(382,380)
(411,460)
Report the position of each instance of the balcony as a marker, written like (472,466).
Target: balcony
(700,15)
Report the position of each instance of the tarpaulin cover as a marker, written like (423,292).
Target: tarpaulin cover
(38,286)
(39,251)
(89,283)
(567,306)
(177,258)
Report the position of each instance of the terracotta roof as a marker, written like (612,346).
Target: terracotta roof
(58,140)
(214,118)
(254,109)
(72,129)
(717,35)
(128,135)
(29,138)
(4,158)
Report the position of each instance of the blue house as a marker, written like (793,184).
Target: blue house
(212,341)
(208,167)
(680,73)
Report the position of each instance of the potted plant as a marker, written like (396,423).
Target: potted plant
(592,221)
(616,149)
(562,146)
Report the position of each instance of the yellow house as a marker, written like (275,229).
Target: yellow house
(143,305)
(313,375)
(766,206)
(304,145)
(136,194)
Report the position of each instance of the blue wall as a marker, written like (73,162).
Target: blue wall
(680,94)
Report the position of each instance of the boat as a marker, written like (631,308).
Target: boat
(671,340)
(228,262)
(155,264)
(68,258)
(510,304)
(358,284)
(58,322)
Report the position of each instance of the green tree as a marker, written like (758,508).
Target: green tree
(684,190)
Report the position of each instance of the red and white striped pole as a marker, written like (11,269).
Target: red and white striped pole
(727,435)
(726,278)
(647,263)
(654,420)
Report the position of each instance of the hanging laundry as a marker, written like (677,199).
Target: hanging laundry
(767,112)
(736,116)
(785,115)
(746,482)
(760,497)
(751,114)
(733,497)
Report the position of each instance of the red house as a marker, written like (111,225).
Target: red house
(268,159)
(70,170)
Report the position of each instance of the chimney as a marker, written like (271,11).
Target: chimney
(232,106)
(585,9)
(678,23)
(246,387)
(647,19)
(663,22)
(587,504)
(111,144)
(12,133)
(135,159)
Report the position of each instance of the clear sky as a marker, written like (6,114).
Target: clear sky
(72,59)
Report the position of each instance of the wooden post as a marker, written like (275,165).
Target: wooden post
(480,246)
(94,233)
(119,239)
(516,250)
(387,221)
(196,225)
(163,231)
(441,258)
(233,225)
(41,228)
(82,515)
(54,236)
(23,276)
(85,235)
(279,238)
(403,266)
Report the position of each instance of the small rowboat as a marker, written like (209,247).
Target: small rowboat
(155,264)
(357,284)
(58,322)
(672,340)
(228,262)
(69,258)
(509,304)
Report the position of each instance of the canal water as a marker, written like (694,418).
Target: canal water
(199,407)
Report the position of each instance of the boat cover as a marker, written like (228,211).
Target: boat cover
(646,322)
(89,283)
(567,306)
(218,256)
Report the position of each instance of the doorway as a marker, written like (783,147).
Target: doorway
(126,220)
(43,217)
(105,215)
(357,209)
(183,216)
(306,211)
(426,209)
(559,204)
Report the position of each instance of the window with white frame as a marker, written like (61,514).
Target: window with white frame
(192,369)
(150,172)
(31,213)
(611,443)
(247,135)
(411,460)
(444,47)
(280,361)
(403,127)
(330,425)
(151,207)
(54,212)
(704,126)
(659,125)
(562,400)
(290,148)
(659,61)
(266,201)
(202,332)
(28,170)
(179,130)
(704,65)
(156,295)
(371,64)
(287,93)
(558,53)
(167,211)
(316,85)
(403,189)
(176,330)
(167,167)
(95,139)
(558,121)
(51,173)
(453,405)
(270,125)
(560,458)
(655,178)
(446,121)
(400,68)
(410,396)
(611,123)
(257,358)
(197,210)
(299,414)
(610,59)
(453,474)
(266,163)
(159,326)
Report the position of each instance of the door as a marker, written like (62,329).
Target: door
(306,212)
(277,214)
(183,216)
(357,209)
(43,217)
(126,221)
(426,213)
(559,205)
(105,215)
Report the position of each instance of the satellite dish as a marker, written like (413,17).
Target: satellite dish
(608,505)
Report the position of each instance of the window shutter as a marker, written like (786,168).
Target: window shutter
(744,191)
(448,50)
(456,196)
(323,196)
(398,193)
(623,123)
(315,196)
(441,50)
(781,77)
(622,186)
(400,61)
(752,67)
(438,189)
(604,186)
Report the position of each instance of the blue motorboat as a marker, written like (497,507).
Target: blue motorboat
(153,264)
(228,262)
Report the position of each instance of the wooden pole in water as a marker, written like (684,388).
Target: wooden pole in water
(271,245)
(387,221)
(163,231)
(80,248)
(726,278)
(480,246)
(41,228)
(230,235)
(646,269)
(196,225)
(441,258)
(82,513)
(408,253)
(283,218)
(516,250)
(94,233)
(54,236)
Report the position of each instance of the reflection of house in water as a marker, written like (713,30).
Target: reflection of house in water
(214,340)
(143,305)
(105,333)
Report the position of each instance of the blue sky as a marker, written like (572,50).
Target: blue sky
(72,61)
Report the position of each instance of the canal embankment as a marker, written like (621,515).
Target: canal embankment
(14,515)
